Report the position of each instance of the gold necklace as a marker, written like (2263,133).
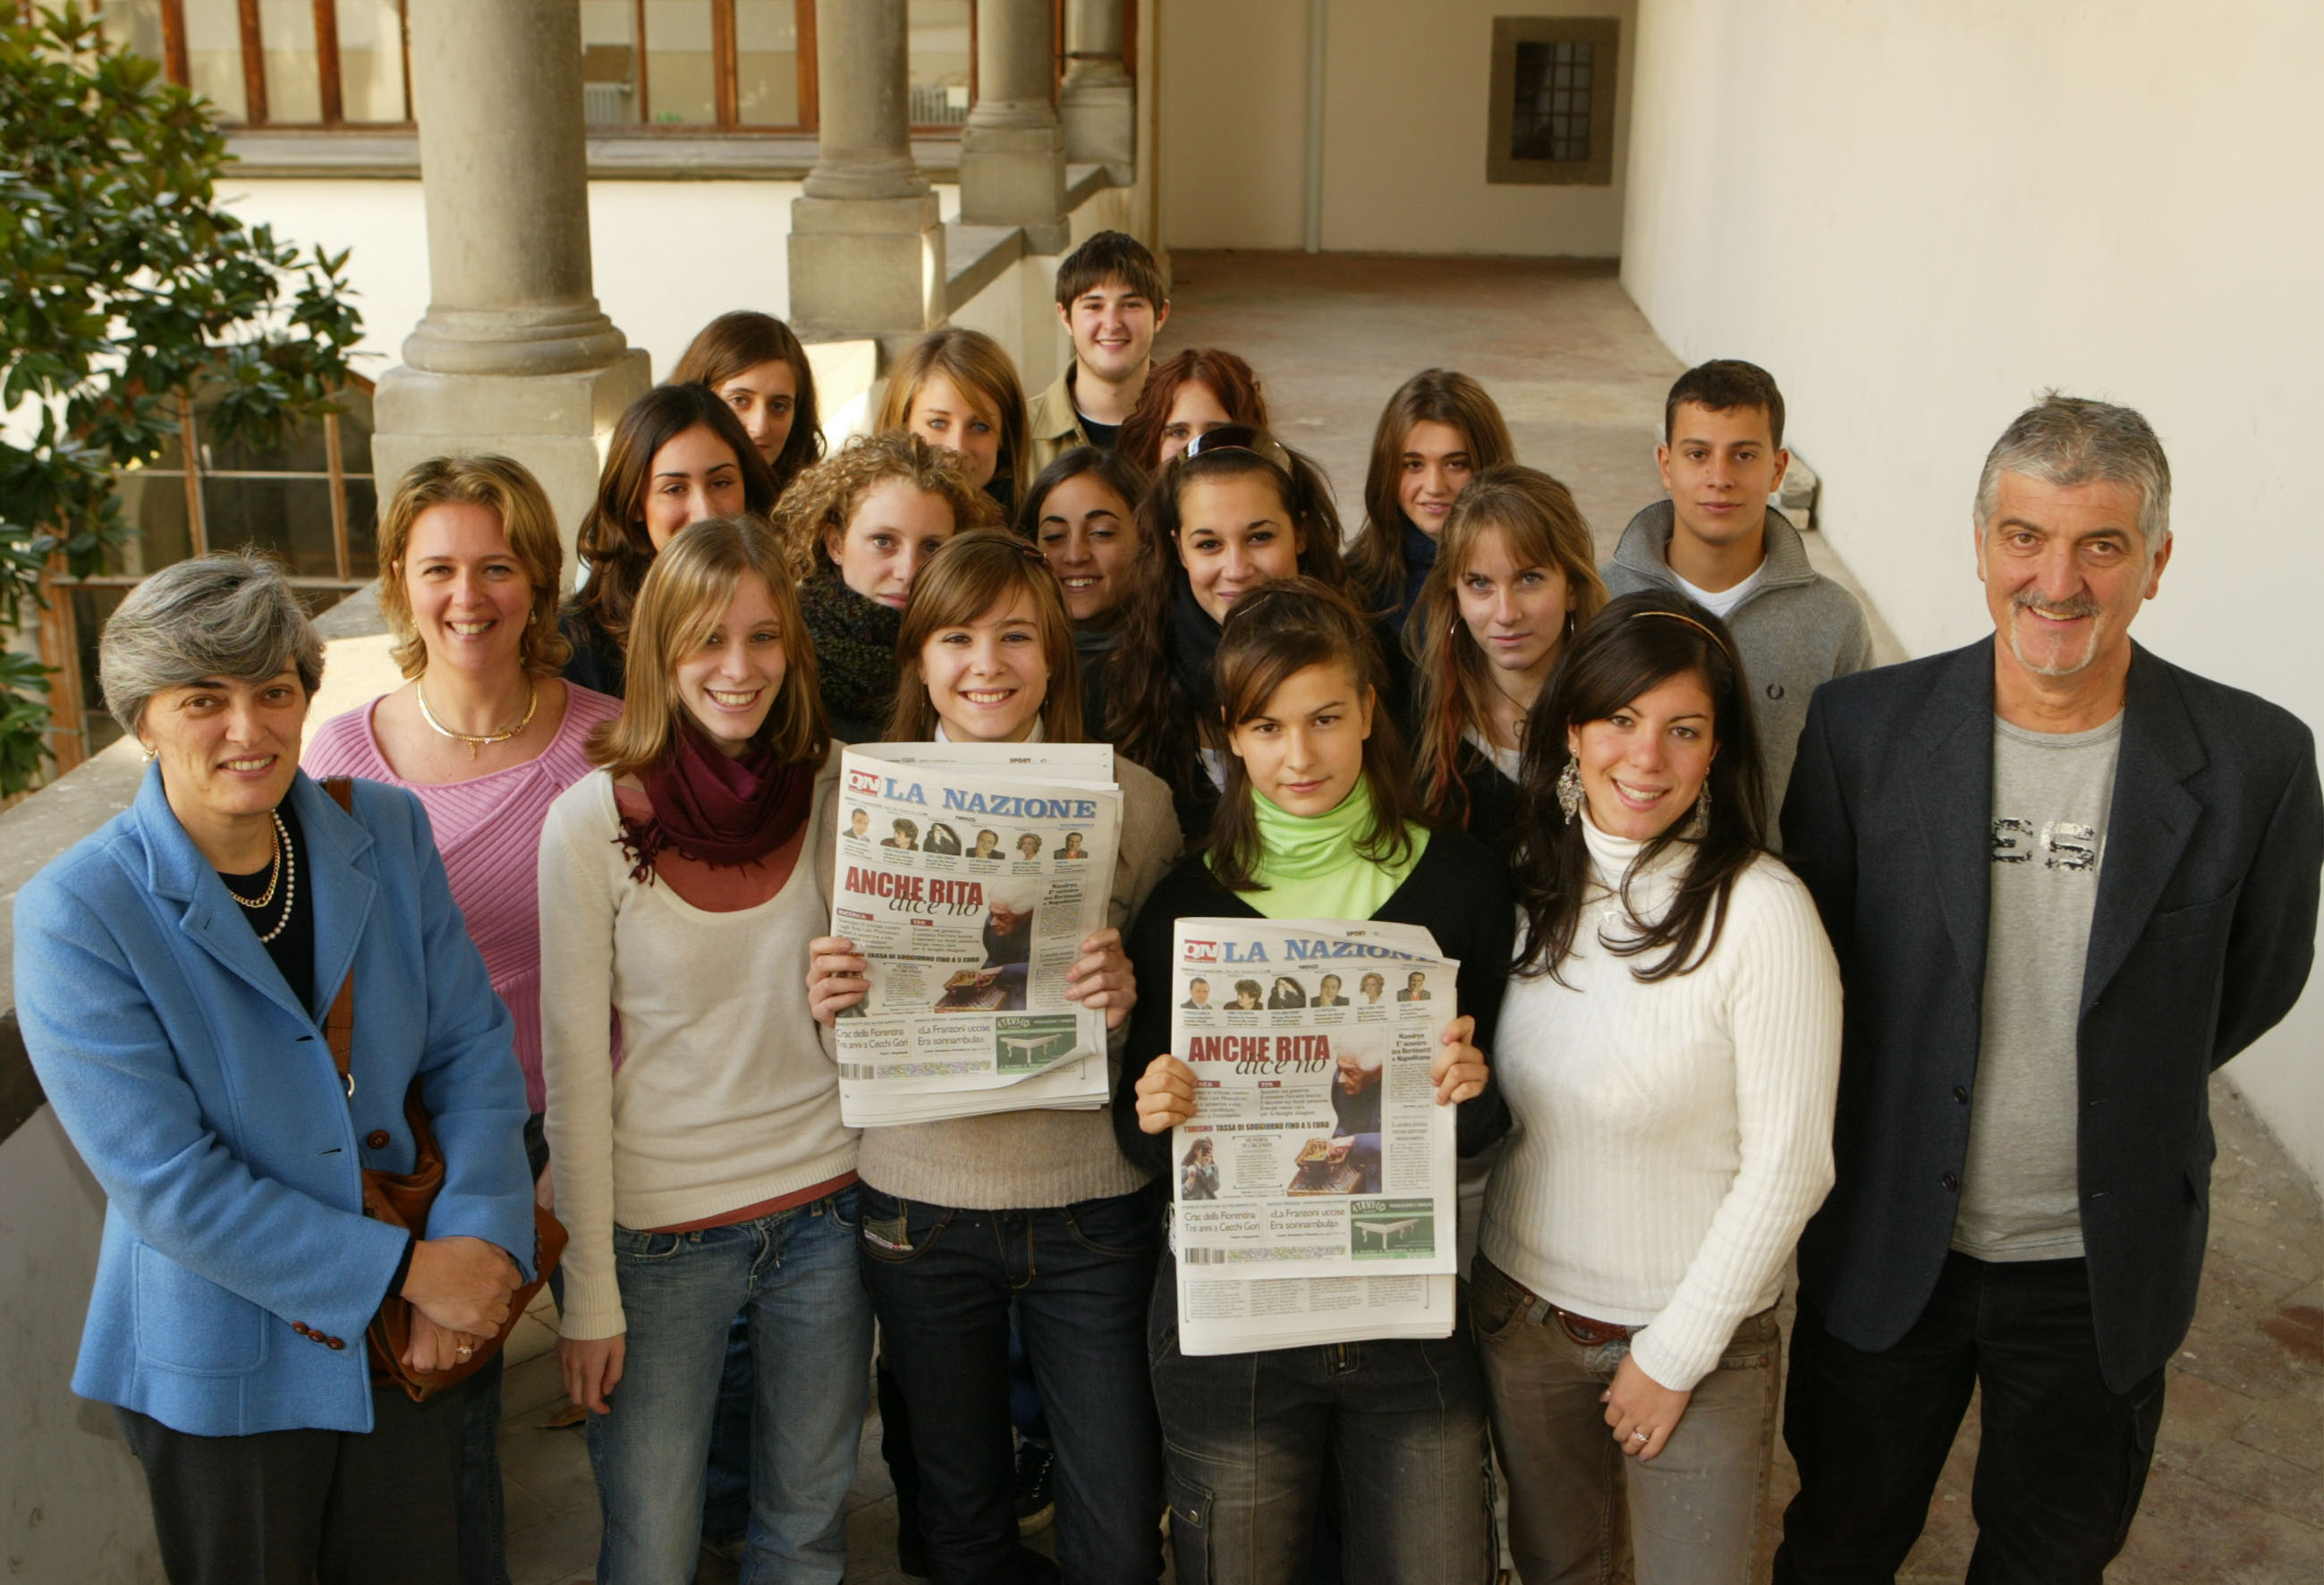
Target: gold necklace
(419,692)
(266,898)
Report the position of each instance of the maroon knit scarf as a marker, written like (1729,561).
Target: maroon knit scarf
(716,810)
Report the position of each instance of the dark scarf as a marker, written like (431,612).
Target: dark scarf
(716,810)
(1194,645)
(854,648)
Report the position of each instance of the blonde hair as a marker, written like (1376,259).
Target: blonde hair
(684,596)
(980,367)
(970,575)
(508,489)
(1453,689)
(826,496)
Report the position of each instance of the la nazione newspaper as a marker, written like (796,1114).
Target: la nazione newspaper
(968,875)
(1313,1191)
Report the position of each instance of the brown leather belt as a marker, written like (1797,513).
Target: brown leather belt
(1588,1333)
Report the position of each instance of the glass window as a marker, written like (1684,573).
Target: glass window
(766,62)
(134,25)
(294,70)
(940,57)
(371,61)
(681,75)
(214,55)
(1551,115)
(609,62)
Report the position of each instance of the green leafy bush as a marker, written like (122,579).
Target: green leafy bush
(122,285)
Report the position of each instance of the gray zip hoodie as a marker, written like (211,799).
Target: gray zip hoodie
(1796,629)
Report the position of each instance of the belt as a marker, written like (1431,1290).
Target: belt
(1582,1329)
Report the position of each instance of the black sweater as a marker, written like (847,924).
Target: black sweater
(1459,893)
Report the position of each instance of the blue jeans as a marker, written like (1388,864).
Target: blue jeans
(484,1529)
(942,1279)
(794,1274)
(1248,1438)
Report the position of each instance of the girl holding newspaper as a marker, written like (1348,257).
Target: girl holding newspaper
(960,1214)
(1314,822)
(710,1171)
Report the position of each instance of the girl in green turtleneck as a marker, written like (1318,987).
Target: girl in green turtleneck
(1316,822)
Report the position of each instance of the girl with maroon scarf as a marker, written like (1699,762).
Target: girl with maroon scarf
(705,1171)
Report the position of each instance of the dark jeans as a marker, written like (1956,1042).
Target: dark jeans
(484,1511)
(295,1508)
(1399,1424)
(942,1279)
(2062,1459)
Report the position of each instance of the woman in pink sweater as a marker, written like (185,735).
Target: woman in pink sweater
(486,733)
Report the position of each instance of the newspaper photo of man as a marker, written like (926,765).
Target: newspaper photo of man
(859,824)
(988,845)
(1008,925)
(1073,848)
(1349,1162)
(1198,1172)
(1198,996)
(941,839)
(1414,988)
(1286,992)
(1327,993)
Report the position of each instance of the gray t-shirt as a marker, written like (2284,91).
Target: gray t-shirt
(2021,1195)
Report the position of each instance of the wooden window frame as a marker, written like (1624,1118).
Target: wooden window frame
(1604,33)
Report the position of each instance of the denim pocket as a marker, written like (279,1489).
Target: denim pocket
(1754,1345)
(844,1208)
(896,1233)
(1190,1529)
(1494,1300)
(1122,1227)
(637,1247)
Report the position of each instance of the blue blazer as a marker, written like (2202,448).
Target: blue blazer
(2204,931)
(239,1271)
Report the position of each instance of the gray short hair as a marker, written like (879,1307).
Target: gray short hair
(231,615)
(2067,440)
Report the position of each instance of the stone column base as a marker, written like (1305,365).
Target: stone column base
(866,267)
(1099,121)
(556,425)
(1015,176)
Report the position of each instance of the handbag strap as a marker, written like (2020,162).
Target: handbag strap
(340,1023)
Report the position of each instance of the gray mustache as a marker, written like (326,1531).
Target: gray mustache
(2081,606)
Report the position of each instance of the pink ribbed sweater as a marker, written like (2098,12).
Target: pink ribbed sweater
(489,832)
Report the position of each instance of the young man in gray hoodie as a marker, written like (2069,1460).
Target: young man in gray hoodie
(1717,541)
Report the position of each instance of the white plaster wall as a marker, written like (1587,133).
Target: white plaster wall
(1918,217)
(1406,104)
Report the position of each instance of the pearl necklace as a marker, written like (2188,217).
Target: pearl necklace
(285,875)
(419,692)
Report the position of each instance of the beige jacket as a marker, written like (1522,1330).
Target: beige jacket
(1055,423)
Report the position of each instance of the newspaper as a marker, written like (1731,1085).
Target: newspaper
(968,875)
(1315,1191)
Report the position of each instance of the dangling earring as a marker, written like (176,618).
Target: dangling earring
(1569,788)
(151,754)
(1702,805)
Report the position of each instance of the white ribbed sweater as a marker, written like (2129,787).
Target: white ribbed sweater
(725,1095)
(1672,1139)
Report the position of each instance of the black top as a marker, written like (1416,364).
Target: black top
(293,950)
(597,660)
(1492,799)
(1459,893)
(1102,435)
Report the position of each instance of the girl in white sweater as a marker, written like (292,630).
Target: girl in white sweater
(705,1170)
(1670,1048)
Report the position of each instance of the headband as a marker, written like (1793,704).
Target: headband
(1698,627)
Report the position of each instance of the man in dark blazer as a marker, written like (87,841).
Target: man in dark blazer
(2066,880)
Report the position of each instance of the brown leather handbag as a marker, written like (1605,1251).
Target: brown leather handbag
(402,1199)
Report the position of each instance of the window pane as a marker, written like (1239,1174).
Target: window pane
(680,81)
(766,62)
(939,46)
(363,527)
(371,61)
(294,72)
(1550,119)
(292,517)
(153,506)
(92,609)
(214,55)
(133,26)
(609,63)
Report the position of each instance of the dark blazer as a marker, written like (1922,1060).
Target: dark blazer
(2203,933)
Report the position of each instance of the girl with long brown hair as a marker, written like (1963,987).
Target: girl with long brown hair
(1236,511)
(757,367)
(709,1172)
(1437,431)
(957,390)
(986,654)
(679,454)
(1513,579)
(1185,396)
(1315,823)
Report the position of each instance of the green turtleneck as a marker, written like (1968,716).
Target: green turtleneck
(1309,868)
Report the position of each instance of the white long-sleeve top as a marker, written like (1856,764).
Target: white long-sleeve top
(725,1095)
(1673,1138)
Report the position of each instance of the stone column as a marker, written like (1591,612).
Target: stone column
(1097,106)
(867,248)
(1012,155)
(513,354)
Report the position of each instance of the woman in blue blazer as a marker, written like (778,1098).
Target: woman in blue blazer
(173,972)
